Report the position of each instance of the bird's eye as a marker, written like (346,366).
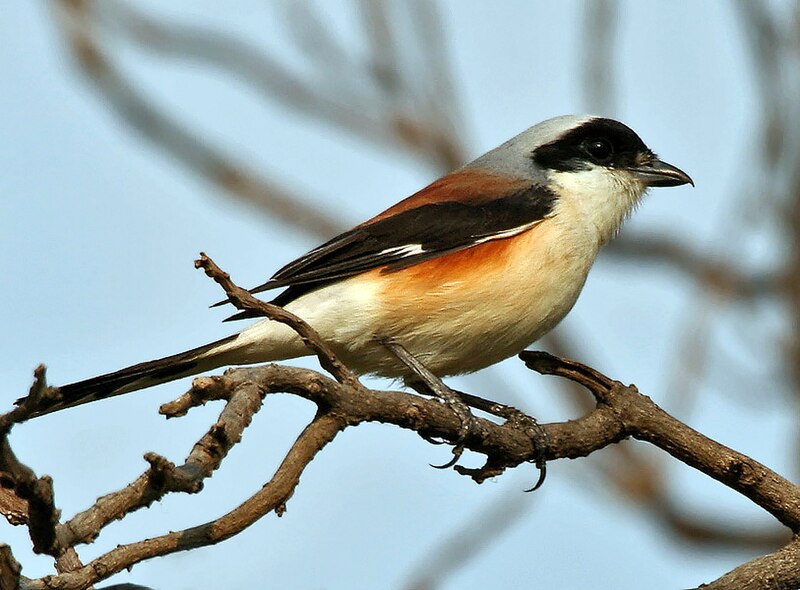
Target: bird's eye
(600,150)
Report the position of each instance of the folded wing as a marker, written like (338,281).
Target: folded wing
(416,230)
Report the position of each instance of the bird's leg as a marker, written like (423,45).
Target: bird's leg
(460,402)
(428,383)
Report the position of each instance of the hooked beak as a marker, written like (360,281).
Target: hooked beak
(658,173)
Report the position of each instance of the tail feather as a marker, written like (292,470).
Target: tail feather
(139,376)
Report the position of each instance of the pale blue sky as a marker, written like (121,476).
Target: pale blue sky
(99,231)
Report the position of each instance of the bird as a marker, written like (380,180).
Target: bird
(464,273)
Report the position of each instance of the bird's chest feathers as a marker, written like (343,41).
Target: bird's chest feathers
(541,280)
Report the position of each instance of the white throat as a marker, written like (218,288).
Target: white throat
(599,198)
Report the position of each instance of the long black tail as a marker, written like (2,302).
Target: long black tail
(147,374)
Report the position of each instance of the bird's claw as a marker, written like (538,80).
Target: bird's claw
(468,422)
(432,440)
(458,450)
(542,475)
(538,437)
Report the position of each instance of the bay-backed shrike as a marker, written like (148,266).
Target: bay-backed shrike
(462,274)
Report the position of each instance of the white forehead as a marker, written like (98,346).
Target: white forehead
(513,156)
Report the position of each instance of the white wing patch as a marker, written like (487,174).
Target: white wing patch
(404,251)
(508,233)
(408,250)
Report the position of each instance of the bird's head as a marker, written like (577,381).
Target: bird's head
(597,166)
(593,146)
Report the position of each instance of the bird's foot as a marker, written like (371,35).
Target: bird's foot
(519,420)
(428,383)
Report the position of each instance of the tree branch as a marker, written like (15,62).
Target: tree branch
(272,496)
(642,419)
(774,571)
(162,477)
(620,412)
(10,569)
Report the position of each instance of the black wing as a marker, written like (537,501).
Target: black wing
(408,238)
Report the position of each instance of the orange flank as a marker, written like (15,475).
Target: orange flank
(466,278)
(477,263)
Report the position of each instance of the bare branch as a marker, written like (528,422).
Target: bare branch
(766,44)
(644,420)
(396,116)
(14,505)
(25,498)
(706,531)
(10,569)
(41,515)
(248,64)
(272,497)
(621,411)
(776,570)
(243,401)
